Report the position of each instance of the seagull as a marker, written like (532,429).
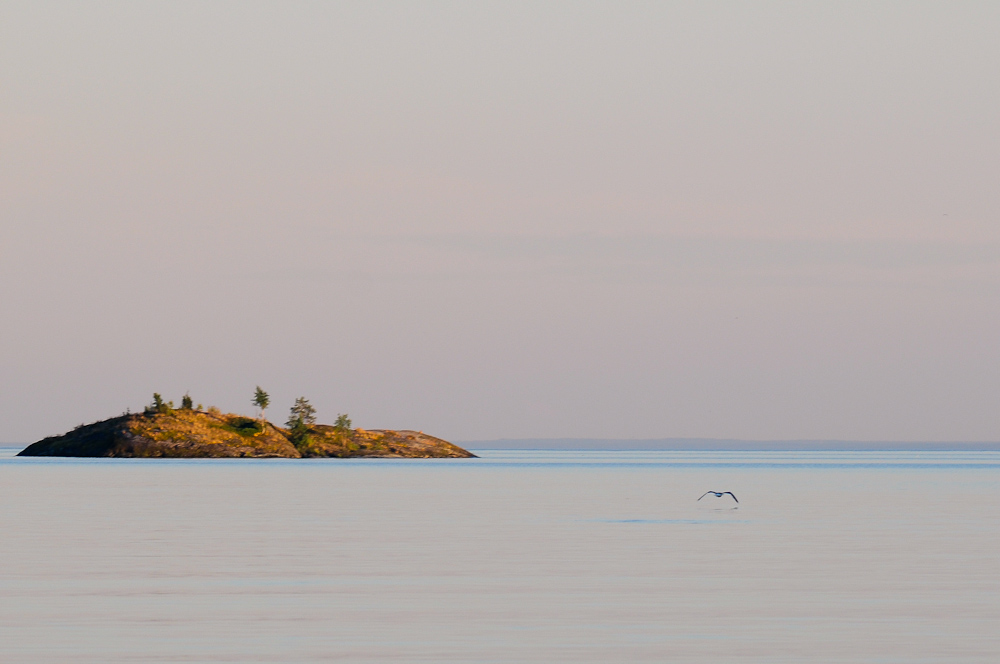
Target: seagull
(719,494)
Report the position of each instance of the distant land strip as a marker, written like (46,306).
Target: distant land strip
(727,444)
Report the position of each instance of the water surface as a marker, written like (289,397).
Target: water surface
(514,557)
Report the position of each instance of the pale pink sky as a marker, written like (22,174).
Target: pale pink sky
(484,220)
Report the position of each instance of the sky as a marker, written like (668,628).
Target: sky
(510,219)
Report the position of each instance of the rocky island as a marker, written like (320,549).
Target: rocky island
(188,432)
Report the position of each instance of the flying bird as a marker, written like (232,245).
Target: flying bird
(719,494)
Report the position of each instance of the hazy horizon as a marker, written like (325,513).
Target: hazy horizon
(506,220)
(726,445)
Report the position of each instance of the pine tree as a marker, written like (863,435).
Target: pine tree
(299,419)
(158,405)
(302,414)
(262,401)
(343,423)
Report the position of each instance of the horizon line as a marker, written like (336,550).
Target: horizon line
(727,444)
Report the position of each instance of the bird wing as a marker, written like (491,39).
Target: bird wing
(731,494)
(704,494)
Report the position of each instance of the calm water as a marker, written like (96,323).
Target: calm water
(516,557)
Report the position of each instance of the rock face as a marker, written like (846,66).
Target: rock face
(194,433)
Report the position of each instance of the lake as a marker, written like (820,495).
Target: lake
(526,556)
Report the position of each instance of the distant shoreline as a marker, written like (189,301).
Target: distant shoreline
(726,445)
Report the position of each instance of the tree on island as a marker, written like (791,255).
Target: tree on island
(301,416)
(302,413)
(262,401)
(159,406)
(186,402)
(343,423)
